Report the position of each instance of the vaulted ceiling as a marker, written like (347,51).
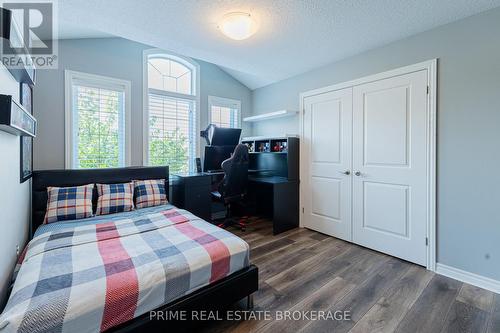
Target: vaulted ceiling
(294,36)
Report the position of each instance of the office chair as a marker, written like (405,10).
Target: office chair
(233,187)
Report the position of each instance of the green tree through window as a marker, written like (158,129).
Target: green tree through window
(171,150)
(98,127)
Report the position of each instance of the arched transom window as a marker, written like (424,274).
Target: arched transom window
(169,75)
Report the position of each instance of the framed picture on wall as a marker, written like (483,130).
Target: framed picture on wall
(26,161)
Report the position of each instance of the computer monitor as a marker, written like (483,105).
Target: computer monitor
(225,136)
(214,156)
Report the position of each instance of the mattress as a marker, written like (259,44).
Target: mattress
(93,274)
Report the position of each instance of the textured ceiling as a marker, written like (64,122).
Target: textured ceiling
(294,35)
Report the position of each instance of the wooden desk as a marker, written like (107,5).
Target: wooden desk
(278,198)
(192,192)
(273,196)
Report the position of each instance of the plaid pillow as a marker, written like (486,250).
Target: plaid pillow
(68,203)
(150,193)
(115,198)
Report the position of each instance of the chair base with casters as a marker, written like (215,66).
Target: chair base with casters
(229,219)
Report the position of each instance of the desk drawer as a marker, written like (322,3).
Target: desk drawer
(198,181)
(197,200)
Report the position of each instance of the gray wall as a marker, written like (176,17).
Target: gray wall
(14,197)
(468,128)
(118,58)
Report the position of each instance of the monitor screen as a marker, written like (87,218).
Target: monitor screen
(214,156)
(225,136)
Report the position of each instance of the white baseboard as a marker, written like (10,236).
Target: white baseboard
(470,278)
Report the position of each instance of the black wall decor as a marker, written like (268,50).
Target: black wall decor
(23,73)
(5,22)
(14,118)
(26,161)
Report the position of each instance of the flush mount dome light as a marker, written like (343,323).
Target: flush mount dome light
(238,26)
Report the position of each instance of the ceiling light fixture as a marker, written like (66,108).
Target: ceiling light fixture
(238,25)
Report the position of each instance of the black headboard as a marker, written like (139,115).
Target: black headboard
(63,178)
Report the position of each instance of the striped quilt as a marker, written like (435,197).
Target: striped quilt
(91,277)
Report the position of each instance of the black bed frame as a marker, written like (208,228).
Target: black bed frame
(216,296)
(63,178)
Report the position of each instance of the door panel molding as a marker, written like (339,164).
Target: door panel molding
(431,67)
(383,137)
(380,209)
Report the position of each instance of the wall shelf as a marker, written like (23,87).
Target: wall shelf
(271,115)
(14,118)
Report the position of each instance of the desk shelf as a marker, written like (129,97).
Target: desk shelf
(283,163)
(268,145)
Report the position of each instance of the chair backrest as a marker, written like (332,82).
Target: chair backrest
(234,184)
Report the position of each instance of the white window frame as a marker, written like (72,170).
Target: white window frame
(100,81)
(224,102)
(195,96)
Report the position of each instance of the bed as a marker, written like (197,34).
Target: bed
(106,273)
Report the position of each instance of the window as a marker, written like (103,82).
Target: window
(171,102)
(224,112)
(97,121)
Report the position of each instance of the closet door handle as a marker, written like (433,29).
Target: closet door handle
(357,173)
(347,172)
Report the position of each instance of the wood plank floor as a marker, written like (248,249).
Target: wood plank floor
(302,270)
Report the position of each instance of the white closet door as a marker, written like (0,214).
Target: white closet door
(389,165)
(328,152)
